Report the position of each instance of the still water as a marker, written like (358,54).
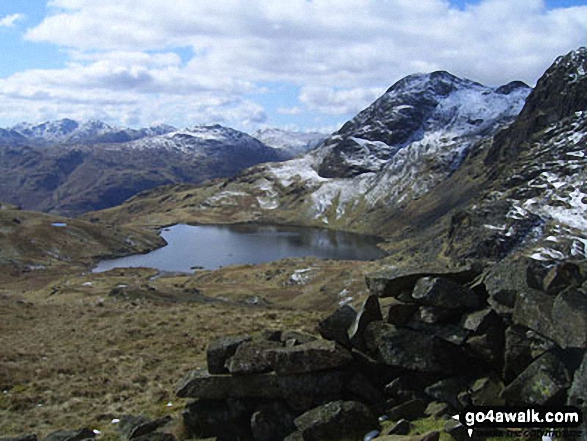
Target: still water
(214,246)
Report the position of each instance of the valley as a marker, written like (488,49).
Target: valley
(478,192)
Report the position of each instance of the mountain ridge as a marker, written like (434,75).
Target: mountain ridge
(437,194)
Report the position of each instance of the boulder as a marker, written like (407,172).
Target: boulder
(577,395)
(135,426)
(413,350)
(438,410)
(220,350)
(314,356)
(447,390)
(402,427)
(534,310)
(272,421)
(254,356)
(228,420)
(300,391)
(398,282)
(370,312)
(336,421)
(410,410)
(511,276)
(454,334)
(72,435)
(522,346)
(456,430)
(544,382)
(569,319)
(363,389)
(561,277)
(294,338)
(203,385)
(399,313)
(444,293)
(482,321)
(487,391)
(336,326)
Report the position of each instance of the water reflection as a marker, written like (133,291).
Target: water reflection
(213,246)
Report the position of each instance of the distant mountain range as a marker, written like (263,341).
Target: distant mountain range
(68,167)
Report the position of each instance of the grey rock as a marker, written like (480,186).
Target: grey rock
(399,313)
(438,410)
(410,410)
(228,420)
(482,321)
(134,426)
(444,293)
(487,391)
(402,427)
(544,382)
(220,350)
(71,435)
(569,319)
(370,312)
(336,326)
(455,429)
(561,277)
(413,350)
(294,338)
(253,356)
(272,422)
(534,310)
(577,395)
(522,346)
(435,315)
(336,420)
(299,391)
(399,282)
(317,355)
(447,390)
(363,389)
(506,279)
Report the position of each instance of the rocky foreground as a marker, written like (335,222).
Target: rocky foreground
(427,342)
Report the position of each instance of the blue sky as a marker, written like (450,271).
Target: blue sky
(300,64)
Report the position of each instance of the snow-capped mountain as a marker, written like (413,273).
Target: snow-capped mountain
(438,164)
(296,143)
(68,167)
(208,140)
(436,110)
(67,131)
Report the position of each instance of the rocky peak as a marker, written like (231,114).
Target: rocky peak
(411,109)
(559,93)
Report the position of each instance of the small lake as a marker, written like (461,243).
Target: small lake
(213,246)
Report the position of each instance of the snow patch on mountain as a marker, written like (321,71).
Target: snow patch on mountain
(294,142)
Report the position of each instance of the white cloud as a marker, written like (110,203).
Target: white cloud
(329,100)
(340,53)
(10,20)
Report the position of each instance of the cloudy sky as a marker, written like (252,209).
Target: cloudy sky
(302,64)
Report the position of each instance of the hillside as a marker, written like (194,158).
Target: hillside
(69,168)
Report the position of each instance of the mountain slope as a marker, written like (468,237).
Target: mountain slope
(462,177)
(295,143)
(72,179)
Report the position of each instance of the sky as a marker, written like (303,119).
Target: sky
(248,64)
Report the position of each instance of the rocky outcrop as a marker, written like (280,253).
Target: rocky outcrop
(458,343)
